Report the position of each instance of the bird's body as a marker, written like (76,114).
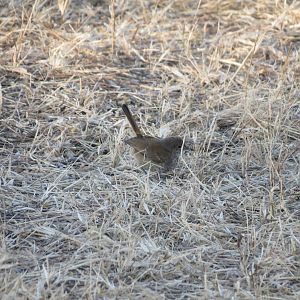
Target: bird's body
(162,152)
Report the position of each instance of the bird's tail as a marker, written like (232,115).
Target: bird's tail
(131,120)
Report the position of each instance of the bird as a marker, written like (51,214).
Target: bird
(158,153)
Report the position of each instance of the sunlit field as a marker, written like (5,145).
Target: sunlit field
(80,219)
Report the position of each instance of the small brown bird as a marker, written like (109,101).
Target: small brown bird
(162,152)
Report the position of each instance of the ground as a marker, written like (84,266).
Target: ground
(79,219)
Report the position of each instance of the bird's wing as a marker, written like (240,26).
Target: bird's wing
(158,152)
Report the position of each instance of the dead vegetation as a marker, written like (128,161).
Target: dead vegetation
(80,220)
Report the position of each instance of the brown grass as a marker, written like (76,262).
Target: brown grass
(79,220)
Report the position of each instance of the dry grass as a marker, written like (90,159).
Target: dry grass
(79,220)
